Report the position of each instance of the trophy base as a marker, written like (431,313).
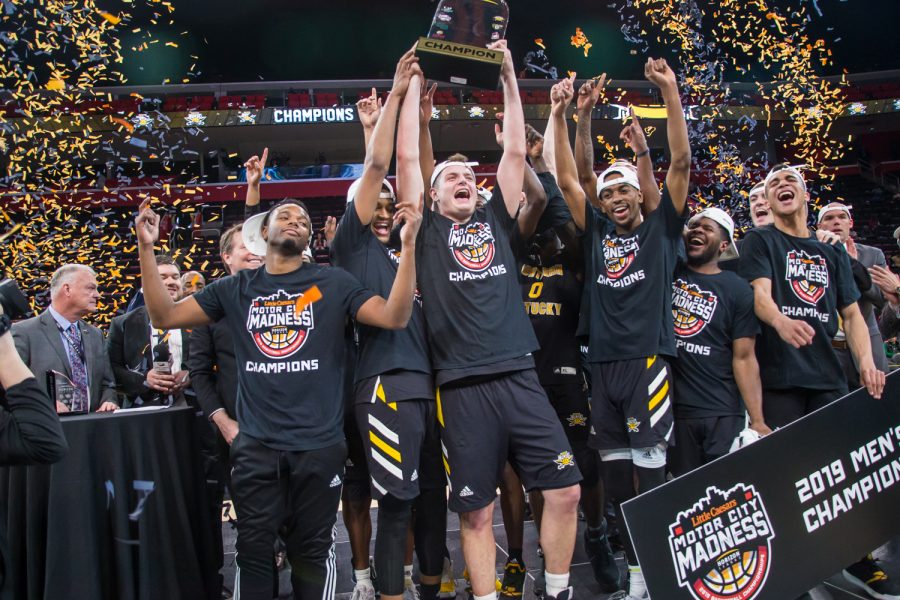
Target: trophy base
(459,63)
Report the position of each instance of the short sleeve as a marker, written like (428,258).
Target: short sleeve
(556,214)
(744,324)
(674,222)
(348,235)
(214,298)
(352,293)
(497,205)
(847,292)
(755,262)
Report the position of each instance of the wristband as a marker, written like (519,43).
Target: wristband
(5,324)
(644,153)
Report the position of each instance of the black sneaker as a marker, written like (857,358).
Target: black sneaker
(868,576)
(513,579)
(566,594)
(606,572)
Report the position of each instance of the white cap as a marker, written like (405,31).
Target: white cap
(354,187)
(626,175)
(760,187)
(724,219)
(794,169)
(308,252)
(450,163)
(251,233)
(834,207)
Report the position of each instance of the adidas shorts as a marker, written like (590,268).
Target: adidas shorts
(356,472)
(401,444)
(699,440)
(631,404)
(570,401)
(486,423)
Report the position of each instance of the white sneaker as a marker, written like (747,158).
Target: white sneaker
(410,592)
(363,591)
(623,595)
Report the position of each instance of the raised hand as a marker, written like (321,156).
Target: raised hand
(426,104)
(409,214)
(507,69)
(657,72)
(561,95)
(407,66)
(534,143)
(633,135)
(146,224)
(369,109)
(887,281)
(329,229)
(256,166)
(589,94)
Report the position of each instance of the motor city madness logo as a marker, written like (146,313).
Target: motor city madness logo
(808,275)
(692,308)
(276,326)
(472,245)
(721,546)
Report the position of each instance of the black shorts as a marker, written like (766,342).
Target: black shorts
(631,404)
(486,423)
(571,403)
(401,444)
(783,407)
(356,472)
(700,440)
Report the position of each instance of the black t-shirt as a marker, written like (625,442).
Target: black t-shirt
(552,296)
(710,312)
(470,292)
(290,366)
(356,249)
(810,282)
(630,284)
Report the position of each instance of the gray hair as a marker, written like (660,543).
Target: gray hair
(65,274)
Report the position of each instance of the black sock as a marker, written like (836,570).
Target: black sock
(429,591)
(515,554)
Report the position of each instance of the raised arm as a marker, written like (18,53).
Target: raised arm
(588,94)
(410,185)
(426,151)
(657,71)
(511,170)
(381,145)
(255,166)
(567,174)
(164,313)
(633,135)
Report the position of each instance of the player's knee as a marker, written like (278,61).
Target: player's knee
(478,520)
(649,458)
(562,499)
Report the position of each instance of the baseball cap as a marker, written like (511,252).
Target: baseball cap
(724,219)
(625,175)
(354,187)
(834,207)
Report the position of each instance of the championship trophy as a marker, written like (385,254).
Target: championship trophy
(456,51)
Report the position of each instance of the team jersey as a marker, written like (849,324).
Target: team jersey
(629,283)
(552,296)
(290,363)
(811,281)
(710,312)
(356,249)
(470,293)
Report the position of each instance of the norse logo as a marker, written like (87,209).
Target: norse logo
(722,545)
(276,326)
(472,245)
(619,253)
(692,307)
(808,275)
(577,419)
(564,459)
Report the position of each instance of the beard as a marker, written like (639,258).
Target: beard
(290,246)
(709,254)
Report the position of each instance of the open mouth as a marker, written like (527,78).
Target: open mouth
(381,228)
(462,193)
(696,241)
(785,196)
(761,212)
(620,210)
(254,260)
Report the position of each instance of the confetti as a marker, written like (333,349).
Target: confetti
(311,295)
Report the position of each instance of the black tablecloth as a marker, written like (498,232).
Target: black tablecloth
(90,528)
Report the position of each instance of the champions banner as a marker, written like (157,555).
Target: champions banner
(778,517)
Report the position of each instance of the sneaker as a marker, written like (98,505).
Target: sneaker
(566,594)
(606,572)
(363,591)
(869,577)
(513,580)
(623,595)
(497,585)
(410,592)
(448,584)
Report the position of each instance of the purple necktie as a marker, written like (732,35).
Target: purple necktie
(75,350)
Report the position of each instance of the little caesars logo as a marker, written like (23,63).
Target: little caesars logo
(692,308)
(277,328)
(721,546)
(808,275)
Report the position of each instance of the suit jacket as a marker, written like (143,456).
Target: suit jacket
(130,353)
(213,368)
(872,300)
(41,348)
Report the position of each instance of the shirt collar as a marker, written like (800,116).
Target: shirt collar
(60,320)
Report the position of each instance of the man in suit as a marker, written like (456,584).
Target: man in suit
(836,218)
(214,376)
(131,344)
(59,340)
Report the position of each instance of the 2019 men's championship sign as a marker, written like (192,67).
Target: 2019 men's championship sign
(776,518)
